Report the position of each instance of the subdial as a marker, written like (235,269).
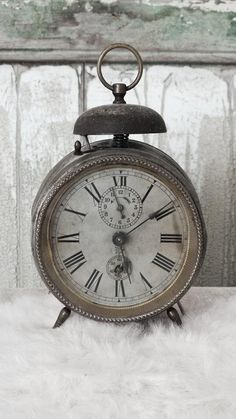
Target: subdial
(119,268)
(120,207)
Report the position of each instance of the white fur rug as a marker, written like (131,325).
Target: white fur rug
(89,370)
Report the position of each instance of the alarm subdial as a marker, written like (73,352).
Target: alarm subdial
(119,268)
(120,207)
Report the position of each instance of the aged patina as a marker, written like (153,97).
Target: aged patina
(117,229)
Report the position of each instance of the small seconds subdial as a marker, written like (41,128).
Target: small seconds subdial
(118,267)
(120,207)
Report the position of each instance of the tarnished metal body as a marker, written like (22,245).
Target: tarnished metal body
(120,120)
(100,153)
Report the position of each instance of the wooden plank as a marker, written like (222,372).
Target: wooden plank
(8,216)
(230,195)
(68,56)
(195,105)
(48,107)
(199,108)
(166,31)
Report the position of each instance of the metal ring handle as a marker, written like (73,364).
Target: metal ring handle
(131,49)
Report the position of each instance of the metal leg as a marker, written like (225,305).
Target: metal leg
(179,304)
(174,316)
(62,317)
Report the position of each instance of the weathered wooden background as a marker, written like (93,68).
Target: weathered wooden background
(48,51)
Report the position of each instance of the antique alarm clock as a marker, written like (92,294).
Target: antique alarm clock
(118,233)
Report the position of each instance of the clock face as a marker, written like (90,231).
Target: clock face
(119,236)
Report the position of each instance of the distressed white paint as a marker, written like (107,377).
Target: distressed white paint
(195,108)
(8,219)
(230,188)
(206,5)
(48,107)
(198,105)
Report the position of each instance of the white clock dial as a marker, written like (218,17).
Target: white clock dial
(119,236)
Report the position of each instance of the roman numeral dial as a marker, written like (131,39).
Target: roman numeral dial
(93,192)
(163,262)
(94,280)
(124,199)
(171,238)
(72,211)
(145,281)
(120,180)
(68,238)
(165,211)
(74,261)
(119,288)
(147,193)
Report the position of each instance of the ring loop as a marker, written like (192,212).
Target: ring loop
(131,49)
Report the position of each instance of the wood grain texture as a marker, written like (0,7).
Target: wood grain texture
(230,196)
(199,110)
(48,107)
(72,30)
(8,187)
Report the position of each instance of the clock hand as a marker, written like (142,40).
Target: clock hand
(159,213)
(120,207)
(118,270)
(127,199)
(125,264)
(118,240)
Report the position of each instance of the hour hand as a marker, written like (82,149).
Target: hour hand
(119,240)
(120,207)
(126,263)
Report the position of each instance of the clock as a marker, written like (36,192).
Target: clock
(117,229)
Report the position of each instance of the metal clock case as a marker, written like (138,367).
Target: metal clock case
(118,232)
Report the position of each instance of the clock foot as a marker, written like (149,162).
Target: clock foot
(179,304)
(62,317)
(174,316)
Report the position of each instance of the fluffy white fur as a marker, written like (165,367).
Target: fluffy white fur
(90,370)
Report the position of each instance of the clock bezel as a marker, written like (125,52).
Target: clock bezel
(152,164)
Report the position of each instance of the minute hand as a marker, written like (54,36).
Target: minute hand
(159,214)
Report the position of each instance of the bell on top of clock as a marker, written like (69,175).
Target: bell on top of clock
(119,119)
(118,233)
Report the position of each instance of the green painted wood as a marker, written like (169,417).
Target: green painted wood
(164,31)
